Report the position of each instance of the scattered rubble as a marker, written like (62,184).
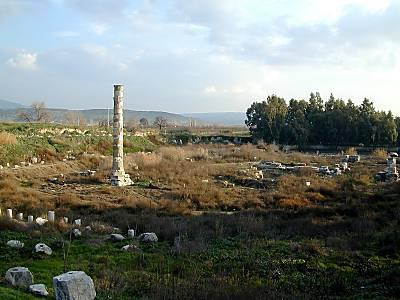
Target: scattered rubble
(390,173)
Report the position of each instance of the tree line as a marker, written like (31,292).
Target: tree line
(331,122)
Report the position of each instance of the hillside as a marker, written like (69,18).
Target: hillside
(220,118)
(95,115)
(5,104)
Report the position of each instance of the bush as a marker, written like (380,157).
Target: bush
(7,138)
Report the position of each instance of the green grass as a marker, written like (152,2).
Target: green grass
(304,267)
(32,143)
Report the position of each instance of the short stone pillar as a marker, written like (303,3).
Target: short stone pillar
(9,213)
(131,233)
(65,219)
(51,216)
(78,222)
(20,216)
(118,176)
(391,165)
(30,219)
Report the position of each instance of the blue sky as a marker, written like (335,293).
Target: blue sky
(198,56)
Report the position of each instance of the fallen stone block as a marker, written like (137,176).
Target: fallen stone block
(116,237)
(43,249)
(38,290)
(148,237)
(15,244)
(74,285)
(19,276)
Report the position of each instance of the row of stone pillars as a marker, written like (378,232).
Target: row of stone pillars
(51,217)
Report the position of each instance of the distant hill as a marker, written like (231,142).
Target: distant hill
(220,118)
(96,115)
(4,104)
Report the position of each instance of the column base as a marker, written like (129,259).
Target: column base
(121,179)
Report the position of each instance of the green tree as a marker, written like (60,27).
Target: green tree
(397,121)
(297,127)
(266,119)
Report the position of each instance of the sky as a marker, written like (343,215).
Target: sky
(198,56)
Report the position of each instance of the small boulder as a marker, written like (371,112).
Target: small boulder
(19,276)
(74,285)
(41,221)
(76,233)
(148,237)
(131,248)
(116,237)
(43,248)
(38,290)
(15,244)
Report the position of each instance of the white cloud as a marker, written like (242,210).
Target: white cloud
(99,29)
(328,12)
(210,89)
(23,61)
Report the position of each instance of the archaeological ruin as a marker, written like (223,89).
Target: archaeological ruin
(118,176)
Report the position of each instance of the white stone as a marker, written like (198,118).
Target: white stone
(38,290)
(15,244)
(34,160)
(51,216)
(20,216)
(43,248)
(9,213)
(30,219)
(76,233)
(148,237)
(19,276)
(41,221)
(78,222)
(74,285)
(116,237)
(131,248)
(65,219)
(131,233)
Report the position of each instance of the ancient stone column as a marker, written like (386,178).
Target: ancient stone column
(118,175)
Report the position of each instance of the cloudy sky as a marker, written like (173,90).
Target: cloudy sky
(198,56)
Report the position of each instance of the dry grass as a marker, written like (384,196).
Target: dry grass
(7,138)
(350,151)
(293,203)
(379,153)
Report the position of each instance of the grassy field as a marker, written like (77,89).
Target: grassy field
(223,233)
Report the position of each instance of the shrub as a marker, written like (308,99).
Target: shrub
(350,151)
(7,138)
(380,153)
